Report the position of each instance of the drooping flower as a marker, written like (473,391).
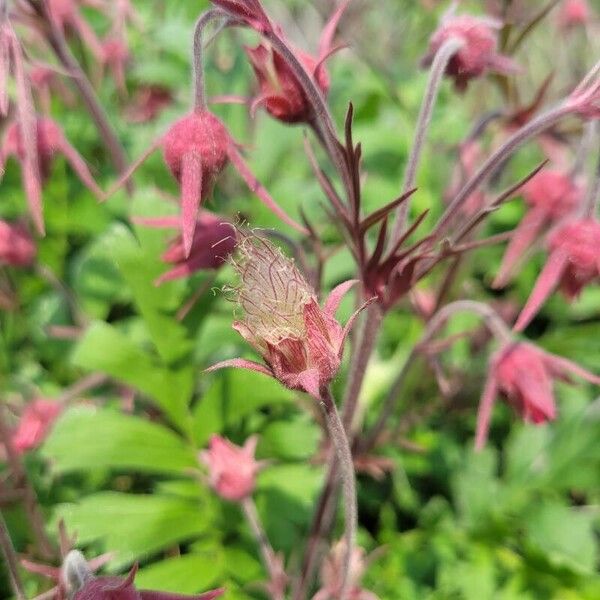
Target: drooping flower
(574,13)
(50,141)
(524,374)
(147,103)
(88,587)
(196,148)
(573,263)
(301,343)
(17,247)
(551,195)
(479,53)
(280,91)
(232,469)
(214,241)
(249,12)
(115,56)
(332,575)
(35,424)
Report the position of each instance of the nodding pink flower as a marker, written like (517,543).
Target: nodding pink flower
(551,196)
(17,247)
(122,588)
(196,149)
(115,55)
(574,13)
(35,424)
(479,53)
(50,141)
(280,91)
(66,15)
(249,12)
(573,263)
(213,243)
(301,343)
(232,469)
(332,575)
(524,374)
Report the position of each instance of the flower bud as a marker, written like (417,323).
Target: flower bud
(35,424)
(17,247)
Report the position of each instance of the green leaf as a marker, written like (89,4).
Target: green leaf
(84,439)
(133,526)
(187,574)
(104,348)
(565,535)
(296,439)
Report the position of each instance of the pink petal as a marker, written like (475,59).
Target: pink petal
(484,412)
(523,237)
(309,380)
(240,363)
(559,365)
(255,186)
(191,192)
(336,295)
(328,33)
(546,282)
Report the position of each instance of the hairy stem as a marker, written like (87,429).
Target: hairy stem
(198,49)
(11,560)
(342,447)
(592,201)
(58,43)
(492,321)
(438,68)
(535,127)
(267,553)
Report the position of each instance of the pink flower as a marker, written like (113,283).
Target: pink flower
(524,374)
(551,195)
(280,91)
(232,470)
(35,424)
(214,241)
(249,12)
(115,55)
(301,343)
(196,149)
(332,575)
(122,588)
(574,13)
(573,263)
(16,245)
(478,55)
(50,141)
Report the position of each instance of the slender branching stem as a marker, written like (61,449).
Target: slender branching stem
(492,320)
(533,128)
(267,553)
(438,68)
(592,201)
(342,447)
(198,49)
(32,509)
(11,560)
(59,45)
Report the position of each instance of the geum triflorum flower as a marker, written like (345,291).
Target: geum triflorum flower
(300,342)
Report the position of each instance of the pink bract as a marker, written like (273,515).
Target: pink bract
(17,247)
(35,424)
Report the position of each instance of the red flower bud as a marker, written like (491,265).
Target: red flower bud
(16,245)
(574,13)
(35,424)
(232,469)
(478,55)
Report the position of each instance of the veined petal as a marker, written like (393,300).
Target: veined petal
(336,295)
(309,380)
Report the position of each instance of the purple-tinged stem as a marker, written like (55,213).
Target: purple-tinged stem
(11,560)
(342,447)
(30,501)
(268,555)
(592,201)
(438,68)
(198,49)
(58,43)
(492,321)
(533,128)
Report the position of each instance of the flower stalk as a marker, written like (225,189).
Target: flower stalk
(10,560)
